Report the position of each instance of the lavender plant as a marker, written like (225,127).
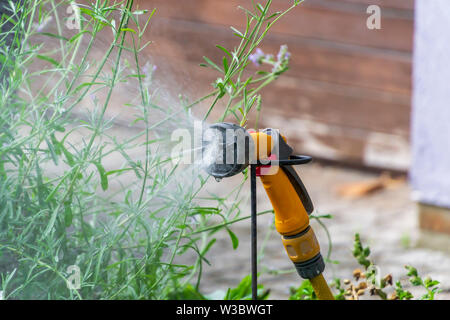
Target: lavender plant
(86,211)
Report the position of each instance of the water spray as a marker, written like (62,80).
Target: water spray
(229,149)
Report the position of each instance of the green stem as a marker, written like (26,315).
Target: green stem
(218,226)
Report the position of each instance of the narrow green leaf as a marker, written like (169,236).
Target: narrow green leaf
(55,144)
(260,7)
(48,59)
(77,89)
(52,35)
(225,50)
(212,64)
(234,239)
(273,15)
(68,215)
(68,155)
(103,176)
(128,29)
(52,150)
(208,246)
(236,31)
(75,37)
(118,171)
(52,194)
(225,64)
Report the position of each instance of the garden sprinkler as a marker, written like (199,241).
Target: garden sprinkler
(227,150)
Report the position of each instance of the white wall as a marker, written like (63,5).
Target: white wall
(430,170)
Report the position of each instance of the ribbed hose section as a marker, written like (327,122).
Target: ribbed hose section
(321,288)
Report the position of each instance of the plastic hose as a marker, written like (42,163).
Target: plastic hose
(321,288)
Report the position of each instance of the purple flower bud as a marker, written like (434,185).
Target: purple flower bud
(283,54)
(257,57)
(145,69)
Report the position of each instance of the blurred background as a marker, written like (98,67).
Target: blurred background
(366,95)
(347,95)
(369,104)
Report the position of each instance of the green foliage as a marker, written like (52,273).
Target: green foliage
(341,291)
(63,201)
(244,291)
(430,285)
(361,253)
(188,292)
(378,287)
(401,293)
(304,292)
(242,90)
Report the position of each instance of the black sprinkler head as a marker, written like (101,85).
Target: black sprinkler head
(225,149)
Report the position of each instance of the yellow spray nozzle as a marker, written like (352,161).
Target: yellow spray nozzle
(284,188)
(263,145)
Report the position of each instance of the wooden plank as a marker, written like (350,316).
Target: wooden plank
(340,143)
(336,142)
(311,20)
(311,59)
(291,97)
(338,105)
(393,8)
(361,127)
(396,4)
(432,218)
(333,104)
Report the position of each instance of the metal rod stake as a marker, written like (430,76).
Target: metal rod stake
(254,253)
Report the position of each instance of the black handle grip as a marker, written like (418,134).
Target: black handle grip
(299,188)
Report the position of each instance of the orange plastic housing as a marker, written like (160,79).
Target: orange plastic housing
(290,215)
(302,248)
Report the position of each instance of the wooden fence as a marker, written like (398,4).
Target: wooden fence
(347,94)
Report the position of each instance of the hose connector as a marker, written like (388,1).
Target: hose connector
(304,251)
